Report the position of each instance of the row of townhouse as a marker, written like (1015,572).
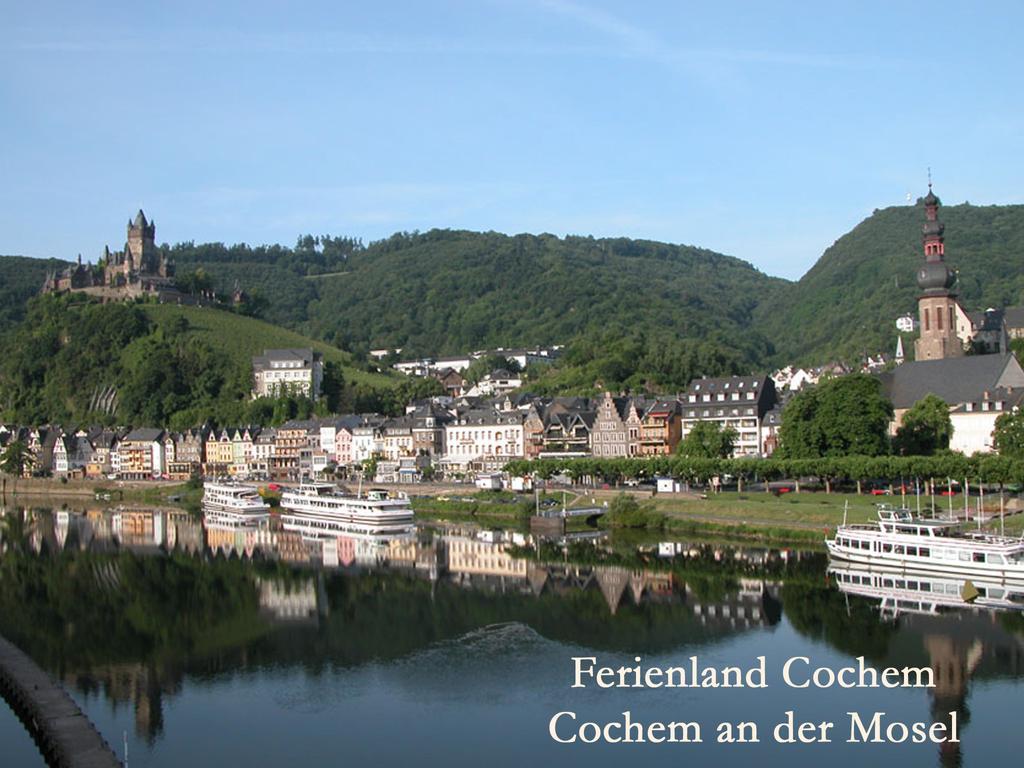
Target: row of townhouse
(452,436)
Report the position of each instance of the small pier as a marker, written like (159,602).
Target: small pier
(65,736)
(551,523)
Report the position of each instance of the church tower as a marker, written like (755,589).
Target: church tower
(141,247)
(937,303)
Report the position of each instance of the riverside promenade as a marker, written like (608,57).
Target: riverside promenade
(65,736)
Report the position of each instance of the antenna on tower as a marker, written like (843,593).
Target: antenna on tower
(929,178)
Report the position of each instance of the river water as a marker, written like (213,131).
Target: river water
(454,646)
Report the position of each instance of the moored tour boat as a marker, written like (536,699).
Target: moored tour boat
(317,510)
(900,540)
(233,504)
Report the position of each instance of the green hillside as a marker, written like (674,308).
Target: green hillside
(20,279)
(848,302)
(657,314)
(75,361)
(633,313)
(239,338)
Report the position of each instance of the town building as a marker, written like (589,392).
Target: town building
(739,402)
(957,380)
(498,382)
(660,428)
(287,372)
(141,454)
(974,421)
(617,426)
(567,434)
(292,437)
(483,439)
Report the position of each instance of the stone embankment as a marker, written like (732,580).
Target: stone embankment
(65,736)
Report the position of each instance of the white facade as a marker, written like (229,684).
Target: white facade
(474,442)
(974,425)
(366,442)
(283,371)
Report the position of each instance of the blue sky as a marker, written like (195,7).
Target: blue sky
(761,130)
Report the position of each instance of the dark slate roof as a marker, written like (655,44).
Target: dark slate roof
(988,320)
(306,424)
(489,417)
(955,380)
(1001,399)
(726,384)
(144,435)
(1014,317)
(306,356)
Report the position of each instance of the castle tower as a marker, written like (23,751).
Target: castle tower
(937,303)
(141,245)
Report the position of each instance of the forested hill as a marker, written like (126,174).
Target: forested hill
(76,361)
(634,312)
(848,302)
(449,291)
(20,279)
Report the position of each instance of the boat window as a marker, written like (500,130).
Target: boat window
(897,549)
(979,557)
(965,556)
(887,548)
(924,552)
(887,583)
(996,559)
(912,551)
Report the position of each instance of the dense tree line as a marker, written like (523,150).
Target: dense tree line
(829,471)
(20,279)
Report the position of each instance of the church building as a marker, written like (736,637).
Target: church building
(961,357)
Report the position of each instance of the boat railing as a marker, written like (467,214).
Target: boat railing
(890,513)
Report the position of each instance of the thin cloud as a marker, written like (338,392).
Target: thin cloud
(639,42)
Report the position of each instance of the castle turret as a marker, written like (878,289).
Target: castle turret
(141,244)
(937,304)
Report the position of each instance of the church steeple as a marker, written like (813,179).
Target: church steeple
(934,277)
(937,304)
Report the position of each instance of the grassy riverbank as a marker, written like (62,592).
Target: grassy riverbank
(805,518)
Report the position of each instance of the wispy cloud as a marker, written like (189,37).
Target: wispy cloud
(628,40)
(639,42)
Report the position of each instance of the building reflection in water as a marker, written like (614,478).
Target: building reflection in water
(707,591)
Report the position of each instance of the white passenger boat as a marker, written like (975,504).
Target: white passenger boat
(234,505)
(317,510)
(904,590)
(941,547)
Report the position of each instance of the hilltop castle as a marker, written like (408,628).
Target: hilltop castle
(138,270)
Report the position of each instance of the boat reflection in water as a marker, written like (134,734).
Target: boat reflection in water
(957,620)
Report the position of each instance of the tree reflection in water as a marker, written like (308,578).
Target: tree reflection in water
(127,607)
